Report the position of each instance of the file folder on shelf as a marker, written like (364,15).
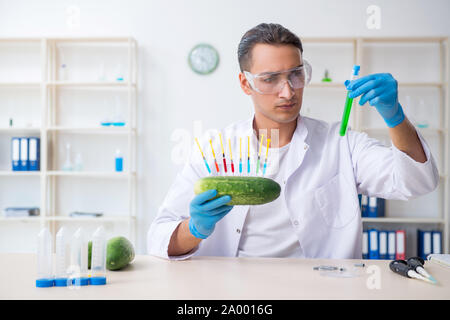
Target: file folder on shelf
(364,202)
(424,243)
(391,245)
(383,244)
(400,240)
(34,153)
(24,154)
(436,242)
(15,154)
(375,207)
(365,245)
(374,252)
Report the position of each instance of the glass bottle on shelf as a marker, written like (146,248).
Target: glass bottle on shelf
(422,113)
(118,119)
(68,165)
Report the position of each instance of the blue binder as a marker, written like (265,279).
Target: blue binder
(375,207)
(34,154)
(24,154)
(391,245)
(381,204)
(424,245)
(374,252)
(383,244)
(364,203)
(365,245)
(15,154)
(436,240)
(372,207)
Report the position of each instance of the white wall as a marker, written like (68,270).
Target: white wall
(171,95)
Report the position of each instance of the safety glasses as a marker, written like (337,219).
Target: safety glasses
(274,82)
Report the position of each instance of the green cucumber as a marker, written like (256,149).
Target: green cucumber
(243,190)
(119,253)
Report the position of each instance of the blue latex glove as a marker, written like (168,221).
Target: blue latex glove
(205,214)
(380,90)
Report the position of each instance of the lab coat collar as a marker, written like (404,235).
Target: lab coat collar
(297,148)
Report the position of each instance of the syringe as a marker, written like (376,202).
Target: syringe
(44,259)
(348,103)
(98,262)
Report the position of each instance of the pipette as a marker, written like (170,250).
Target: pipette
(248,157)
(417,263)
(259,154)
(348,103)
(214,156)
(231,156)
(223,154)
(240,155)
(203,156)
(402,268)
(265,161)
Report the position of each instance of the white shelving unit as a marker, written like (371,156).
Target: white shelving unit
(50,130)
(339,53)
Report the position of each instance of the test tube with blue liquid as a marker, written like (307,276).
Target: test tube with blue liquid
(348,103)
(44,260)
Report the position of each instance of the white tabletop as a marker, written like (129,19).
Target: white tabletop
(229,278)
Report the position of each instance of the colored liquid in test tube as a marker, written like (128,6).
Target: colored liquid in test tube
(98,264)
(348,103)
(44,259)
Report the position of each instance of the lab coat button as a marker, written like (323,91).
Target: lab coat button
(295,222)
(238,230)
(306,147)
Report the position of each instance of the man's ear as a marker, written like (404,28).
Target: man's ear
(245,86)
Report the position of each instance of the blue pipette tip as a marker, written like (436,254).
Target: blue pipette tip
(96,281)
(356,69)
(44,283)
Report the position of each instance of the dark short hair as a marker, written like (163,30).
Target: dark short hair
(268,33)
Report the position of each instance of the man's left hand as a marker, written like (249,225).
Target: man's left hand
(380,90)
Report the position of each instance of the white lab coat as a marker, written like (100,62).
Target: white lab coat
(324,174)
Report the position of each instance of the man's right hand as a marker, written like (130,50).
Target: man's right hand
(205,214)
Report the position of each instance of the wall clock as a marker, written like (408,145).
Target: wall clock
(203,59)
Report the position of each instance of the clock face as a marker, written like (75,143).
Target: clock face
(203,59)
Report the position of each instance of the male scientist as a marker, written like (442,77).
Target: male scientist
(321,173)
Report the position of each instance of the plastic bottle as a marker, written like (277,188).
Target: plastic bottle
(44,259)
(79,259)
(62,258)
(98,260)
(119,161)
